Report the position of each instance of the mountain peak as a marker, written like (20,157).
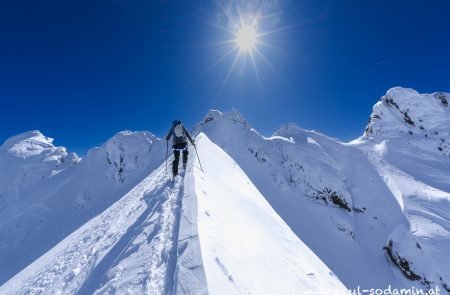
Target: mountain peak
(128,152)
(29,143)
(234,115)
(405,111)
(31,158)
(128,136)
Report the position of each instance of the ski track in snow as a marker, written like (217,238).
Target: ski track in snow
(130,248)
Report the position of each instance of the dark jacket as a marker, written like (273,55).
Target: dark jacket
(180,139)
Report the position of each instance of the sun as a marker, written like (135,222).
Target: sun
(249,36)
(246,38)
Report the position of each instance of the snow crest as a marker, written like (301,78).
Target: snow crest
(31,157)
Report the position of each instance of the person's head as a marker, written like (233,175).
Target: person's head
(176,122)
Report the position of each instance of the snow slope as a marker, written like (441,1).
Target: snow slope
(127,249)
(246,247)
(337,212)
(407,142)
(47,194)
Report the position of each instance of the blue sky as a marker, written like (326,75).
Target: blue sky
(80,71)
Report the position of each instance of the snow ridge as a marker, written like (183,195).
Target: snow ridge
(246,246)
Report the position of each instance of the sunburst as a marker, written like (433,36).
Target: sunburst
(246,38)
(249,37)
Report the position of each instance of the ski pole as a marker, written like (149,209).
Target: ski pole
(167,151)
(201,168)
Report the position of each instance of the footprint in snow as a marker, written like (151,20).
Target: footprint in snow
(224,270)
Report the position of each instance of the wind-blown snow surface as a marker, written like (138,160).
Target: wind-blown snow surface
(285,214)
(246,247)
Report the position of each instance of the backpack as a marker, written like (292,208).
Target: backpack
(178,132)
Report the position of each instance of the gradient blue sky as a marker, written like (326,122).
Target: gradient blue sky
(80,71)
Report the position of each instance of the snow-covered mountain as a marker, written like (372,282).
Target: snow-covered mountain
(46,193)
(292,213)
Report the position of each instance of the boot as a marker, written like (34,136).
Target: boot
(174,171)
